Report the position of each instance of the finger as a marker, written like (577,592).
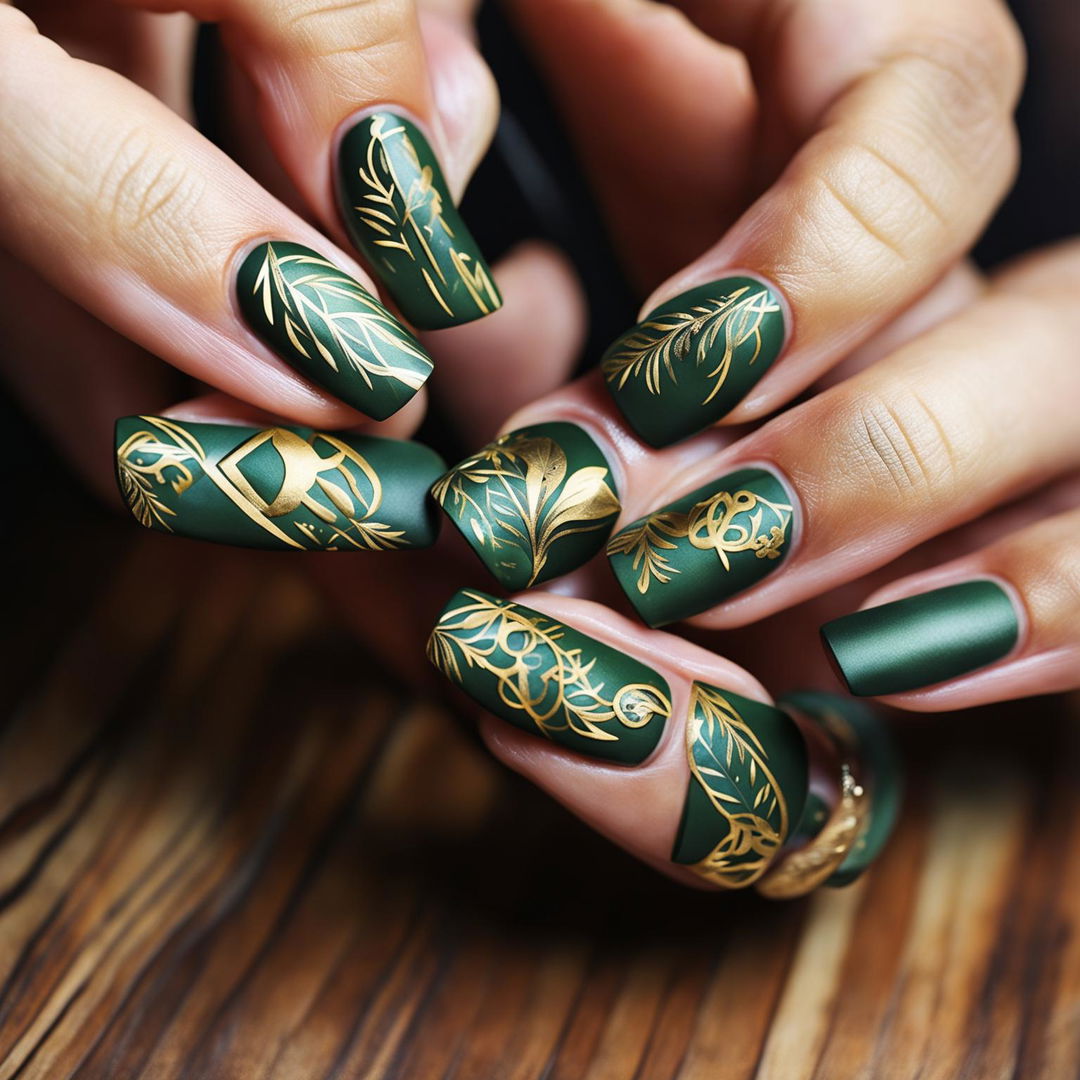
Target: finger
(215,469)
(670,158)
(125,209)
(346,101)
(502,363)
(912,149)
(670,751)
(997,624)
(917,445)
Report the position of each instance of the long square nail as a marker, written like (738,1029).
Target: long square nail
(549,679)
(328,326)
(694,358)
(707,546)
(400,215)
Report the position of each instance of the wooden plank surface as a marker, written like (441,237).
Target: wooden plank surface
(231,849)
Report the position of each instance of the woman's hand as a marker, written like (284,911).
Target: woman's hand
(110,201)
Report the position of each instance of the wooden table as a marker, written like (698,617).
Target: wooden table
(217,865)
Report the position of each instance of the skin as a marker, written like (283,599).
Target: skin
(764,138)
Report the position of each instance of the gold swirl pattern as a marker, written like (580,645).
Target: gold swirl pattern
(518,492)
(408,217)
(143,464)
(728,761)
(538,676)
(727,523)
(364,334)
(651,350)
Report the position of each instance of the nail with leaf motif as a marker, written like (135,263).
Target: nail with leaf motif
(701,549)
(534,504)
(329,327)
(400,215)
(290,489)
(694,358)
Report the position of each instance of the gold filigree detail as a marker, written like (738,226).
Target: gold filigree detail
(650,351)
(408,217)
(518,492)
(804,870)
(727,523)
(145,463)
(342,490)
(365,335)
(730,764)
(538,676)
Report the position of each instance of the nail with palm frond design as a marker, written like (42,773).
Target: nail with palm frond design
(693,359)
(534,504)
(400,215)
(328,326)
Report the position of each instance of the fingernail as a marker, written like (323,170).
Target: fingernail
(276,487)
(922,640)
(748,782)
(701,549)
(549,679)
(693,359)
(400,215)
(863,735)
(328,326)
(536,503)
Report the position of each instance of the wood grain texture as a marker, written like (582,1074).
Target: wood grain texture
(231,849)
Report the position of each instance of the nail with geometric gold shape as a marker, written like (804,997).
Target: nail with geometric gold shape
(549,679)
(400,214)
(281,488)
(694,358)
(536,503)
(701,549)
(329,327)
(748,783)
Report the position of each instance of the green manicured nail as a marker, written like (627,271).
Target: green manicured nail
(701,549)
(399,213)
(276,487)
(693,359)
(922,640)
(861,732)
(536,503)
(748,780)
(327,325)
(549,679)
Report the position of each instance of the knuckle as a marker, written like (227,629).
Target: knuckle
(325,28)
(899,444)
(146,195)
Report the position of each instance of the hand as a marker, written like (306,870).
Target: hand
(111,202)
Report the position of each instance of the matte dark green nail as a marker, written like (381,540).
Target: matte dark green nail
(549,679)
(327,325)
(701,549)
(855,727)
(693,359)
(399,213)
(922,640)
(536,503)
(276,487)
(748,779)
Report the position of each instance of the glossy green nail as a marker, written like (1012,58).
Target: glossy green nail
(276,487)
(693,359)
(549,679)
(748,780)
(860,731)
(328,326)
(399,213)
(922,640)
(701,549)
(536,503)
